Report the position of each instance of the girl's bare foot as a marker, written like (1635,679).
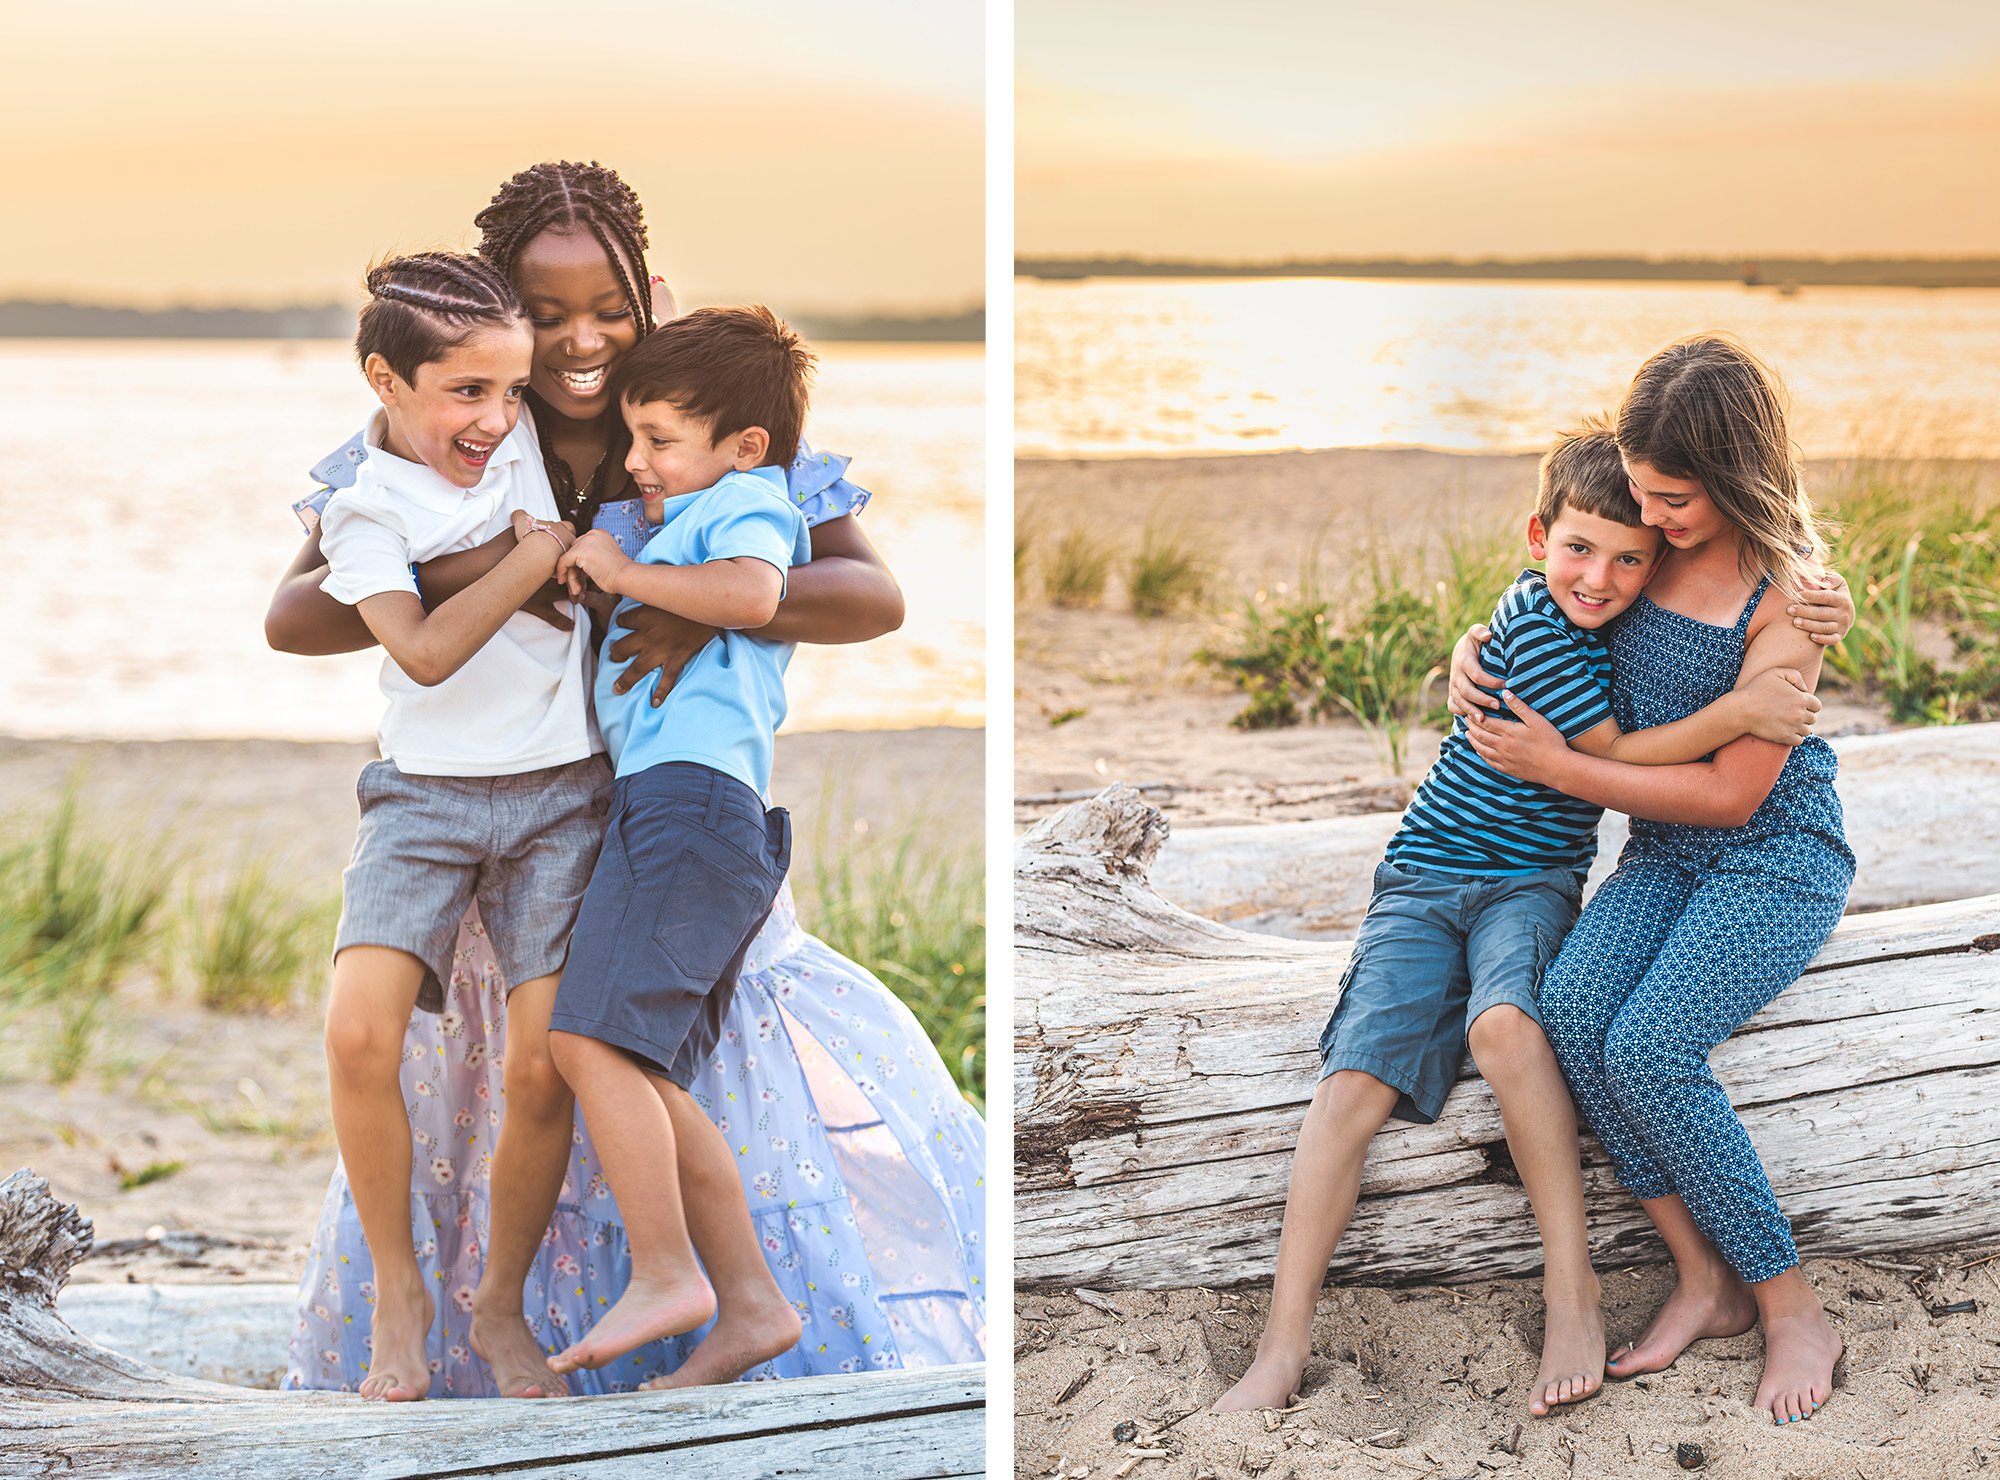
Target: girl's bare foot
(1270,1383)
(399,1370)
(645,1312)
(1714,1304)
(1572,1351)
(746,1336)
(1799,1356)
(505,1344)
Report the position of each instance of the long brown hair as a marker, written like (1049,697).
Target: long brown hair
(1707,410)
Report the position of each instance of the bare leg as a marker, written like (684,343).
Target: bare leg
(1800,1348)
(528,1167)
(374,989)
(754,1321)
(1516,1060)
(1707,1299)
(634,1137)
(1347,1109)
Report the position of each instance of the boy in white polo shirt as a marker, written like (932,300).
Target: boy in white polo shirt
(492,782)
(692,858)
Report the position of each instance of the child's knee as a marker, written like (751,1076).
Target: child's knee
(360,1048)
(1347,1093)
(1636,1059)
(533,1079)
(1505,1040)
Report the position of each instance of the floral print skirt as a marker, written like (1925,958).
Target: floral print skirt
(863,1166)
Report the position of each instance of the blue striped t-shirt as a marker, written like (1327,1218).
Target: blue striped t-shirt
(1468,818)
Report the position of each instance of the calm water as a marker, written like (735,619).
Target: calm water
(149,486)
(1110,367)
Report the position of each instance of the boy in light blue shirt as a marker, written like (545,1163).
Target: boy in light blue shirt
(692,859)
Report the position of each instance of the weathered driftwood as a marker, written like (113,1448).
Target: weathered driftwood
(1163,1061)
(69,1407)
(1923,818)
(222,1333)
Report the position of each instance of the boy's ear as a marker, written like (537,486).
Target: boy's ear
(748,448)
(1538,538)
(381,379)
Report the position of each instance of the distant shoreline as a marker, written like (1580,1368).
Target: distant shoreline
(22,318)
(1768,272)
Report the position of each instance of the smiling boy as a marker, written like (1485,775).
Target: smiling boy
(1477,890)
(692,859)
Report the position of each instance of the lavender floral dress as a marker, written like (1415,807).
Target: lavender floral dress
(863,1165)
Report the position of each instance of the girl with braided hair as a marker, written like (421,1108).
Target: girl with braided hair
(510,809)
(861,1164)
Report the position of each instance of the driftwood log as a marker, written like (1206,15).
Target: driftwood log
(1163,1062)
(72,1408)
(1923,818)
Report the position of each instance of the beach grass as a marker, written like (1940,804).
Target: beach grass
(251,946)
(1375,649)
(1077,568)
(910,908)
(1165,575)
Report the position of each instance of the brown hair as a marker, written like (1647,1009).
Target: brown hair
(419,307)
(1584,471)
(734,368)
(1707,410)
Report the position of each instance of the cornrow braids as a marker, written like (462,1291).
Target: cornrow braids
(422,305)
(563,195)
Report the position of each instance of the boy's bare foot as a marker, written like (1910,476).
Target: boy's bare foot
(505,1344)
(1717,1304)
(749,1333)
(1270,1383)
(1799,1356)
(645,1312)
(1572,1352)
(399,1369)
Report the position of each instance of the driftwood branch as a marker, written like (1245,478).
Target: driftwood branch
(1163,1062)
(1923,818)
(70,1407)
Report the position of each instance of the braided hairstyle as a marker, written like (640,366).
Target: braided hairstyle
(423,305)
(564,196)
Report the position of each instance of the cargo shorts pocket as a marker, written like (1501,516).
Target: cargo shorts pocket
(709,913)
(1326,1034)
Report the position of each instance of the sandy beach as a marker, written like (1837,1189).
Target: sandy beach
(240,1101)
(1422,1381)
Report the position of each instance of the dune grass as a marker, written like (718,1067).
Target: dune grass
(253,946)
(1374,651)
(1076,569)
(911,909)
(1164,575)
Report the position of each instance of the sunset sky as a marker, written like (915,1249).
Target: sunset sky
(1267,129)
(822,157)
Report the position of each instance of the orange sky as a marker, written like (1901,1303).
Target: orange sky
(820,157)
(1548,127)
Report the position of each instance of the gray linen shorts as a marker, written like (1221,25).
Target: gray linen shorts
(691,864)
(522,845)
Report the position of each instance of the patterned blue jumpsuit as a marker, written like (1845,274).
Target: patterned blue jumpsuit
(1696,931)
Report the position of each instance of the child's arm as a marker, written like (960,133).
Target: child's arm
(741,592)
(1723,792)
(1774,705)
(304,619)
(431,646)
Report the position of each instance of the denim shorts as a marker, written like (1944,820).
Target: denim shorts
(690,867)
(522,845)
(1435,950)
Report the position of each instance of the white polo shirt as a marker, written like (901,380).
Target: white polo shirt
(521,702)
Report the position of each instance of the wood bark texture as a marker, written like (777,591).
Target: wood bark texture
(1163,1063)
(1923,818)
(69,1407)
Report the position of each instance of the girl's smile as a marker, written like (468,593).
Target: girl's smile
(1679,508)
(583,321)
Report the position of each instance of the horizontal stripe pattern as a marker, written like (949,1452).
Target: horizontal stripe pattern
(1468,818)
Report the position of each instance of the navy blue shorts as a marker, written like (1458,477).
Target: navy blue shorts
(690,867)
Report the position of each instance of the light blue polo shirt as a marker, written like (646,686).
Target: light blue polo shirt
(731,696)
